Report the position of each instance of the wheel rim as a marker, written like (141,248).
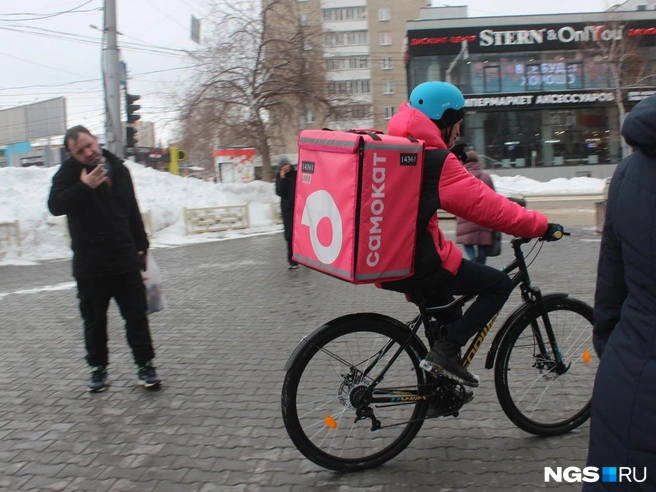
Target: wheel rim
(543,397)
(332,385)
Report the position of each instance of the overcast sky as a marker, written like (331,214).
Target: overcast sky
(38,64)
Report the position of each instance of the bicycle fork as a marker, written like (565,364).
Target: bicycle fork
(560,368)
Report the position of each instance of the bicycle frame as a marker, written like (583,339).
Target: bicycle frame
(529,294)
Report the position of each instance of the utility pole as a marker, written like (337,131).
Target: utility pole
(112,78)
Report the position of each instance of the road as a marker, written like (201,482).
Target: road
(234,314)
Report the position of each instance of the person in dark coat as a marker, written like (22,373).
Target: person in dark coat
(93,188)
(475,238)
(286,190)
(624,398)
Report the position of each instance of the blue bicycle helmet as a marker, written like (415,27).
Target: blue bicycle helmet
(435,99)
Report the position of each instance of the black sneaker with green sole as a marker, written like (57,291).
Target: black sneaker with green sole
(147,376)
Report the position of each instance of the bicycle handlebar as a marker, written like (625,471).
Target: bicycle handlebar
(556,236)
(524,240)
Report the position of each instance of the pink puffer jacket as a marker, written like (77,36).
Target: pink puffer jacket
(463,195)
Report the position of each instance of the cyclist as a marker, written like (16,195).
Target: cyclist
(434,114)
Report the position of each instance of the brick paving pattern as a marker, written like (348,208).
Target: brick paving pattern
(234,314)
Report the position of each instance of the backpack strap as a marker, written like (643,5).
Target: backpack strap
(429,200)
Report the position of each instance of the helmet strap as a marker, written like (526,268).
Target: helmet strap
(445,130)
(446,134)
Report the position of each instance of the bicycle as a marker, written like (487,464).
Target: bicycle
(340,415)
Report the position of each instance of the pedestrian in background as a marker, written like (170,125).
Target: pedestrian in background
(93,188)
(475,238)
(624,334)
(286,190)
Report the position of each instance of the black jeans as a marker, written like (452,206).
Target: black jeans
(129,293)
(290,253)
(492,287)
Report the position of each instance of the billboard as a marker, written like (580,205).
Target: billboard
(32,121)
(537,37)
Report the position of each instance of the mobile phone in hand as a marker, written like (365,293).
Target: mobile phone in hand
(102,162)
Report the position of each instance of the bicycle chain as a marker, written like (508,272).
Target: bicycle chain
(435,384)
(426,385)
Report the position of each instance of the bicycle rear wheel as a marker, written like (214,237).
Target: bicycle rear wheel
(531,393)
(325,387)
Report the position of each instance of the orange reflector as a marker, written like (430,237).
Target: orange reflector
(330,422)
(586,357)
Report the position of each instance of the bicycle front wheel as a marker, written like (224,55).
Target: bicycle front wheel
(328,386)
(532,393)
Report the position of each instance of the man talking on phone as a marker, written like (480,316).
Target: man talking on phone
(93,188)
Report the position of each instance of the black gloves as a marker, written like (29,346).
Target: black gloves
(459,151)
(554,232)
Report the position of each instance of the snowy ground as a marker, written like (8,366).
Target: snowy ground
(24,193)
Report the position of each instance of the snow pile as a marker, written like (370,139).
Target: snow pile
(558,186)
(24,194)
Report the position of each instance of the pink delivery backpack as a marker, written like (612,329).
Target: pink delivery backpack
(357,200)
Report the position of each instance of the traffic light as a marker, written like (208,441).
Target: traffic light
(130,137)
(131,108)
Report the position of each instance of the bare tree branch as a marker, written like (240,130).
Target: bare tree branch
(627,63)
(261,70)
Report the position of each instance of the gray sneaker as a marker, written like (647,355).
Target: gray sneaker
(444,358)
(98,380)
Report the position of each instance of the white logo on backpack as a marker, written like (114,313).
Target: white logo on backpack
(320,205)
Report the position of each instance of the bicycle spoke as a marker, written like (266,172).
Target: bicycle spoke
(331,385)
(538,394)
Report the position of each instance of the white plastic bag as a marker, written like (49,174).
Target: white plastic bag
(153,284)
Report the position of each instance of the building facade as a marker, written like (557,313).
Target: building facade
(363,46)
(146,136)
(540,90)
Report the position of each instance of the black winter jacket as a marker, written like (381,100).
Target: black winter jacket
(286,190)
(624,399)
(105,223)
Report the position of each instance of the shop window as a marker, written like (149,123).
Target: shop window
(533,77)
(492,76)
(596,73)
(574,76)
(554,74)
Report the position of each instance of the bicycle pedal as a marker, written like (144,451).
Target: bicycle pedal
(442,413)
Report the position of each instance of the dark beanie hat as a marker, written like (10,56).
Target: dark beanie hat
(283,160)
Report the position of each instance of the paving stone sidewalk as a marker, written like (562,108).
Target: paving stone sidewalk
(234,314)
